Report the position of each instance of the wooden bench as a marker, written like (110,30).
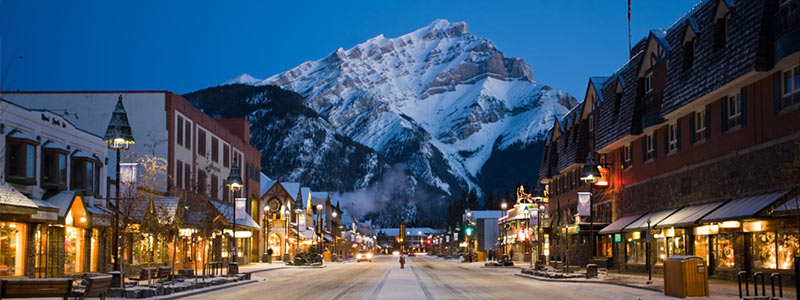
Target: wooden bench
(164,273)
(144,275)
(36,288)
(95,286)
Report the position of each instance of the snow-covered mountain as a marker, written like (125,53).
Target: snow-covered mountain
(439,100)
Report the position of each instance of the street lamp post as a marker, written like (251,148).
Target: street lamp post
(504,207)
(335,247)
(590,175)
(234,183)
(530,240)
(119,136)
(266,232)
(298,210)
(319,229)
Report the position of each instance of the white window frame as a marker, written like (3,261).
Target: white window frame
(648,83)
(650,147)
(734,110)
(793,86)
(699,125)
(672,131)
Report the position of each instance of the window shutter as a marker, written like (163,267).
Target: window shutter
(655,145)
(724,110)
(666,139)
(776,92)
(644,148)
(678,133)
(692,117)
(708,121)
(744,105)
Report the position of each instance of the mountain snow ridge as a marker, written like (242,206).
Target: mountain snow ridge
(439,99)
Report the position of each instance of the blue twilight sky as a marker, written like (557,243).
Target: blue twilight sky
(184,46)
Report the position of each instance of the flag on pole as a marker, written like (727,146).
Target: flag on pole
(629,10)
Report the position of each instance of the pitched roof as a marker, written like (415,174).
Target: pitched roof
(10,196)
(266,184)
(244,220)
(293,188)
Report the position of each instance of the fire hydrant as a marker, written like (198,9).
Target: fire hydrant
(402,262)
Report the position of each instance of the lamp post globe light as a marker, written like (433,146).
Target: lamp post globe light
(119,136)
(234,183)
(590,175)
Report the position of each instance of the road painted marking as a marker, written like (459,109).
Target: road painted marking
(425,290)
(380,285)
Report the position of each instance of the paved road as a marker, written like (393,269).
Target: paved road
(423,278)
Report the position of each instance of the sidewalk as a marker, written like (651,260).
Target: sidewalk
(717,288)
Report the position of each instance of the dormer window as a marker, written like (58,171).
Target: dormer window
(688,54)
(648,83)
(721,26)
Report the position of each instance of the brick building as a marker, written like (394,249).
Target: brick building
(698,134)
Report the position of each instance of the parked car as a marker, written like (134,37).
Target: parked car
(364,256)
(411,254)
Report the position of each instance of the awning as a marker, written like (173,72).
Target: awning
(688,215)
(10,196)
(743,208)
(619,224)
(790,205)
(654,218)
(328,237)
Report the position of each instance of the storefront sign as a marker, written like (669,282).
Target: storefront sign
(101,221)
(617,238)
(755,226)
(584,209)
(730,224)
(706,230)
(45,215)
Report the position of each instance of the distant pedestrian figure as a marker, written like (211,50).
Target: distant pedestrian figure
(402,262)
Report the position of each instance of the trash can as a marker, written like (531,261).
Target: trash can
(591,271)
(685,276)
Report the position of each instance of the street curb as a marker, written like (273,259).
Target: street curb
(265,270)
(206,290)
(286,267)
(583,281)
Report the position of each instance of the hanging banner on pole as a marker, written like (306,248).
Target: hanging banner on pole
(534,218)
(241,204)
(584,209)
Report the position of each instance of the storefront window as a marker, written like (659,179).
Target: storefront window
(636,249)
(701,247)
(74,249)
(669,242)
(94,257)
(12,249)
(724,251)
(774,250)
(275,243)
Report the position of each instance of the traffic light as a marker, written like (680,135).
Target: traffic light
(469,230)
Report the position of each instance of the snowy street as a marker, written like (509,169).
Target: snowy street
(423,278)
